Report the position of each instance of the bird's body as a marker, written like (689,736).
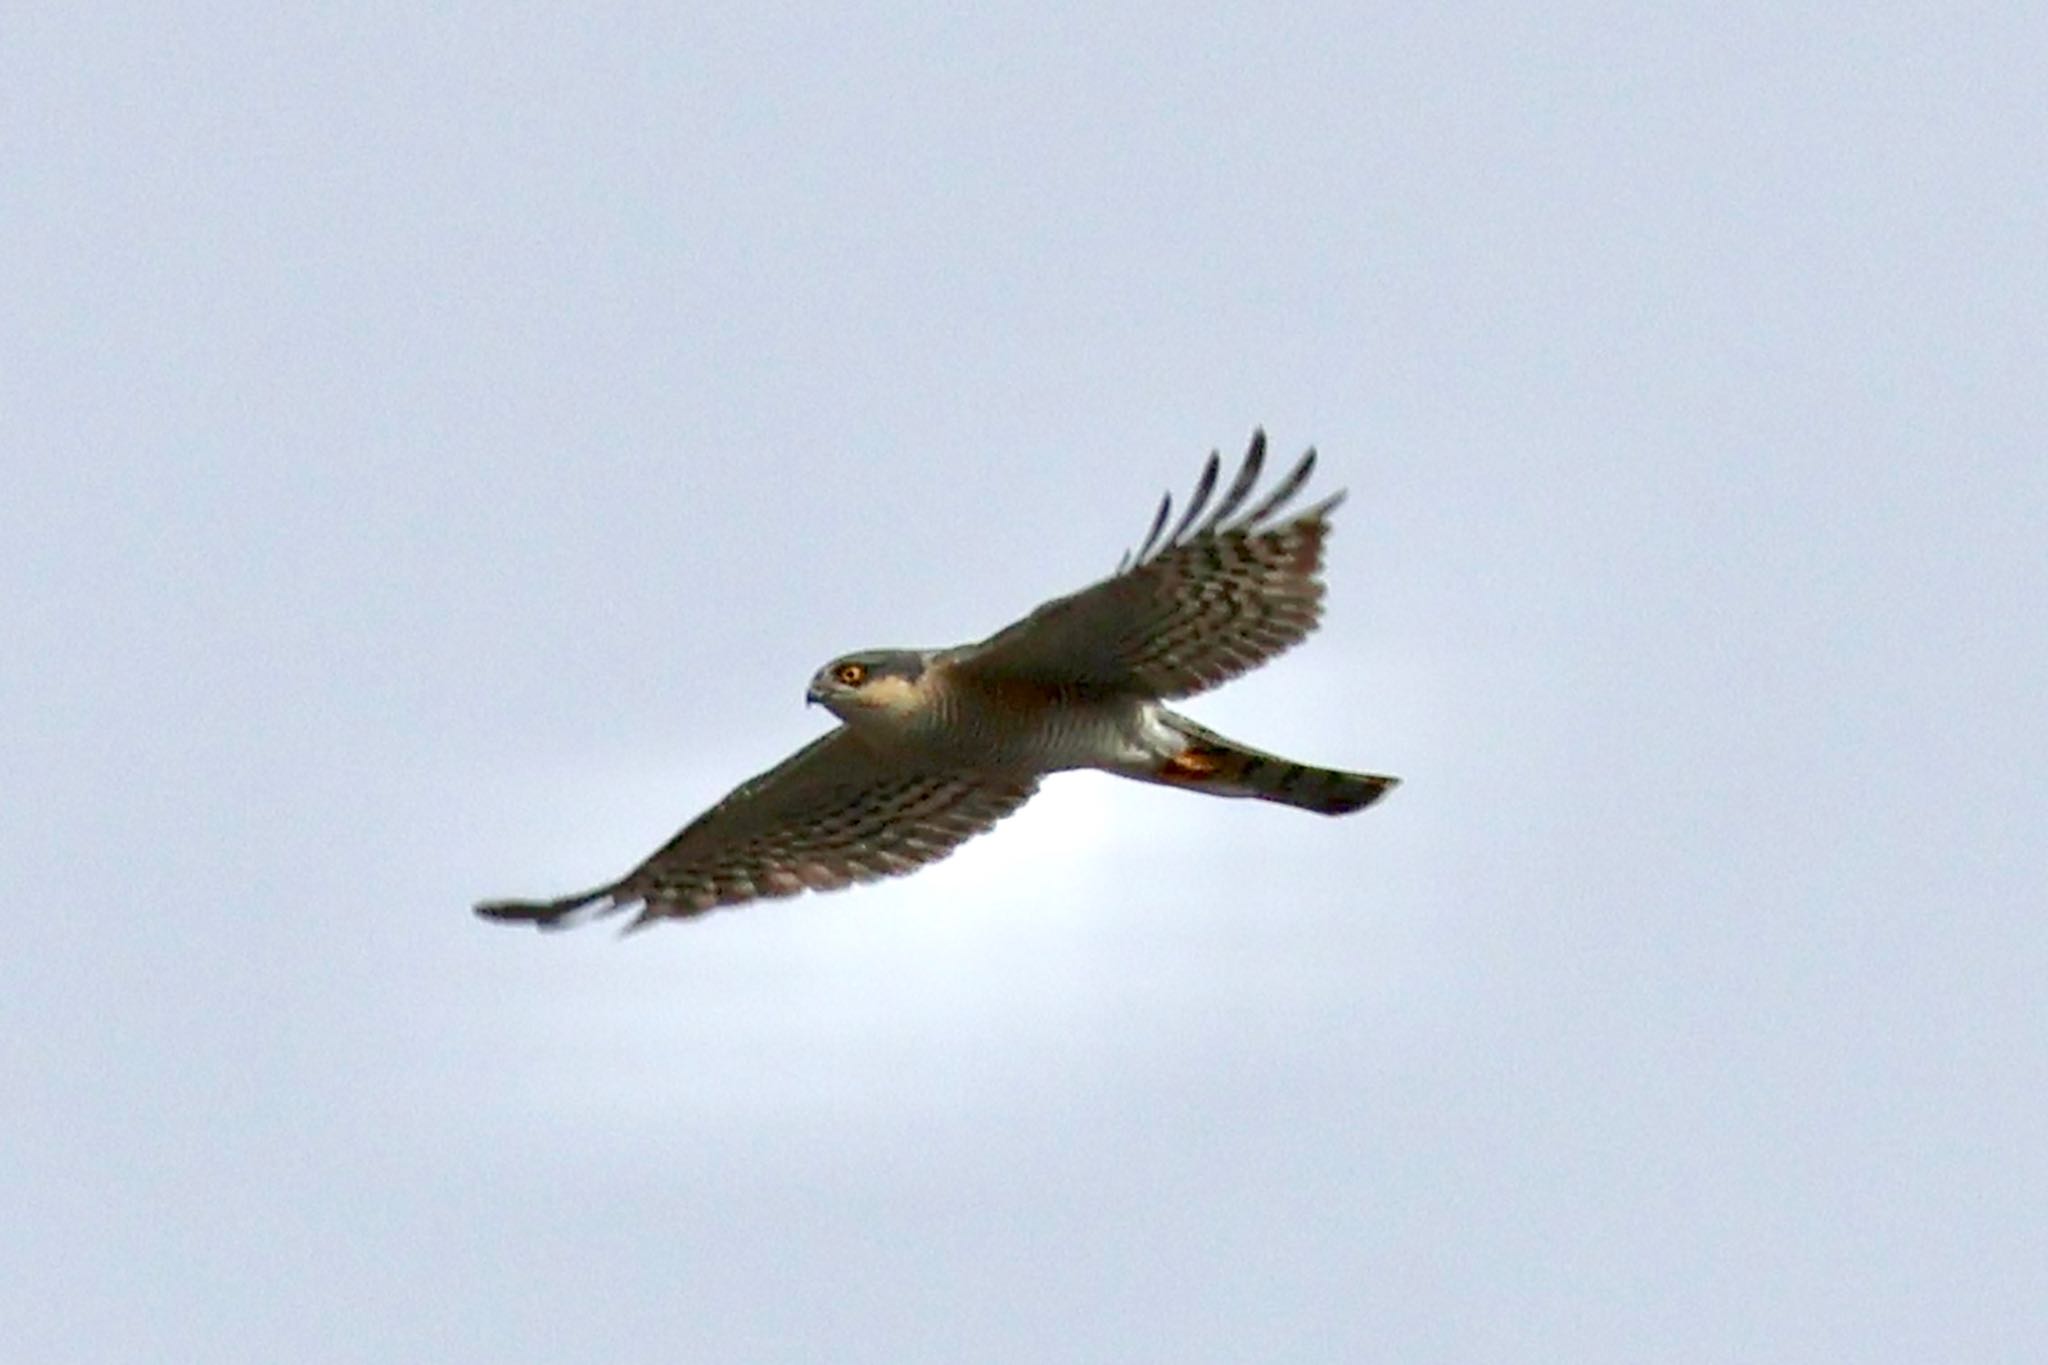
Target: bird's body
(937,745)
(1017,726)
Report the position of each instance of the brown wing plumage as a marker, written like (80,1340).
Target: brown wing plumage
(1216,597)
(833,813)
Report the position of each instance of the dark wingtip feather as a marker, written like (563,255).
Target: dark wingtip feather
(1282,493)
(1241,486)
(1137,556)
(1193,526)
(1204,486)
(554,914)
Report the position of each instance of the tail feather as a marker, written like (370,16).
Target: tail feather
(1222,767)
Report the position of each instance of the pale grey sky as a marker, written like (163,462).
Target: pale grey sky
(441,443)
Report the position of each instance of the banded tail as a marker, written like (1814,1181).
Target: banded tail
(1223,767)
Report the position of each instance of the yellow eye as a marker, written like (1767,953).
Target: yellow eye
(851,675)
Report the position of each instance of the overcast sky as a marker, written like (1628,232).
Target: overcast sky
(440,444)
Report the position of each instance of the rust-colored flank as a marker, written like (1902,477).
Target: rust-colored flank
(1190,764)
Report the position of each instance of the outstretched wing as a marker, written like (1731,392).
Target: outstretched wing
(1217,597)
(833,813)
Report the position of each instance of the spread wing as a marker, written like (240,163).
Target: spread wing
(833,813)
(1217,597)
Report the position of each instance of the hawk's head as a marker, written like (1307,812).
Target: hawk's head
(870,684)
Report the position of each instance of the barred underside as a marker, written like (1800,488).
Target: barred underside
(836,812)
(842,834)
(1214,599)
(1223,606)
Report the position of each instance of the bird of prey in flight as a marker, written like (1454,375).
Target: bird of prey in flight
(936,745)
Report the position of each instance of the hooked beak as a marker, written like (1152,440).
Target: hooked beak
(813,695)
